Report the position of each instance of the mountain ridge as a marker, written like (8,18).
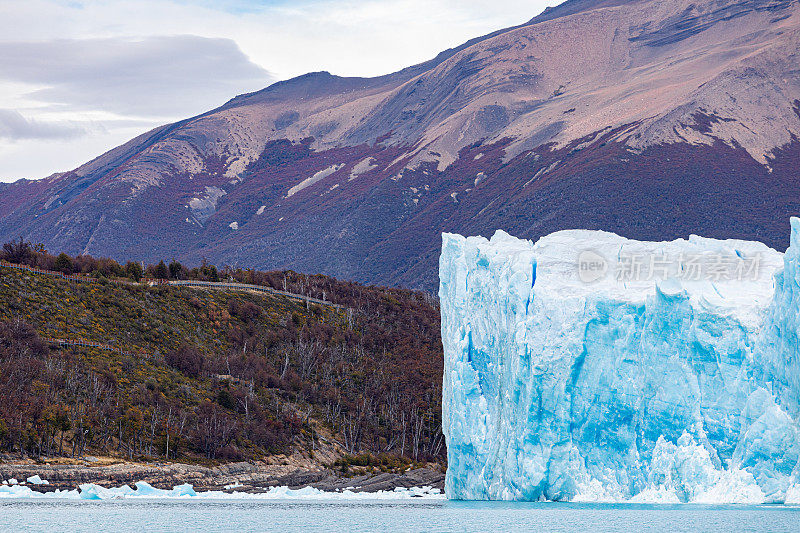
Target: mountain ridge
(356,177)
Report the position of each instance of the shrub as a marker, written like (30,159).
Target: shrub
(244,310)
(225,398)
(229,453)
(187,359)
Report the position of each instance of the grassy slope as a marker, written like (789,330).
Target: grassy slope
(136,318)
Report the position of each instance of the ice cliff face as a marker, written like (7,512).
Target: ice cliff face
(591,367)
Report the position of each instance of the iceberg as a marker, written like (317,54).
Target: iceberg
(591,367)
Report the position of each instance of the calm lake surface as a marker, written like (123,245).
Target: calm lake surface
(421,515)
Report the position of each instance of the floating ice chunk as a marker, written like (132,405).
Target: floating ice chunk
(144,489)
(91,491)
(20,491)
(36,480)
(234,226)
(15,491)
(313,493)
(593,367)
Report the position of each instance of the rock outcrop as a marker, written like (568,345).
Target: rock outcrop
(241,477)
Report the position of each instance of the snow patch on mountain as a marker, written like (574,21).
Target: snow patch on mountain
(319,176)
(206,204)
(363,166)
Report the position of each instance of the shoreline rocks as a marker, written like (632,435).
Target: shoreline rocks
(241,477)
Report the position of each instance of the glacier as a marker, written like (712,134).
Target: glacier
(571,376)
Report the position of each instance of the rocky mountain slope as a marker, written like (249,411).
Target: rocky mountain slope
(647,118)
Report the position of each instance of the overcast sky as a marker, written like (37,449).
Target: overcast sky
(80,77)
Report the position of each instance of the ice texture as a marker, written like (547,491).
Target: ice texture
(670,389)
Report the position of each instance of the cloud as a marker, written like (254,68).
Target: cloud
(39,157)
(152,76)
(116,68)
(288,37)
(14,126)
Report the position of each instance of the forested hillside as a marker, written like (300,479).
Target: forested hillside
(201,374)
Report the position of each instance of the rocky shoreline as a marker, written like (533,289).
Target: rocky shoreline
(251,477)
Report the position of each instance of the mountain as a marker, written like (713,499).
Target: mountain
(652,119)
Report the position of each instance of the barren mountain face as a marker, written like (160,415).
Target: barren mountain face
(648,118)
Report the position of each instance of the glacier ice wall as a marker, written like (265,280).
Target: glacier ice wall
(667,388)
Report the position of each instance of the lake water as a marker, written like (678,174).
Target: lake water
(414,515)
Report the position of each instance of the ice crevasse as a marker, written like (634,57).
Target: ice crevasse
(573,374)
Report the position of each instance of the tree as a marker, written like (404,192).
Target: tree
(133,270)
(56,419)
(161,271)
(130,424)
(64,263)
(175,269)
(209,272)
(18,252)
(5,436)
